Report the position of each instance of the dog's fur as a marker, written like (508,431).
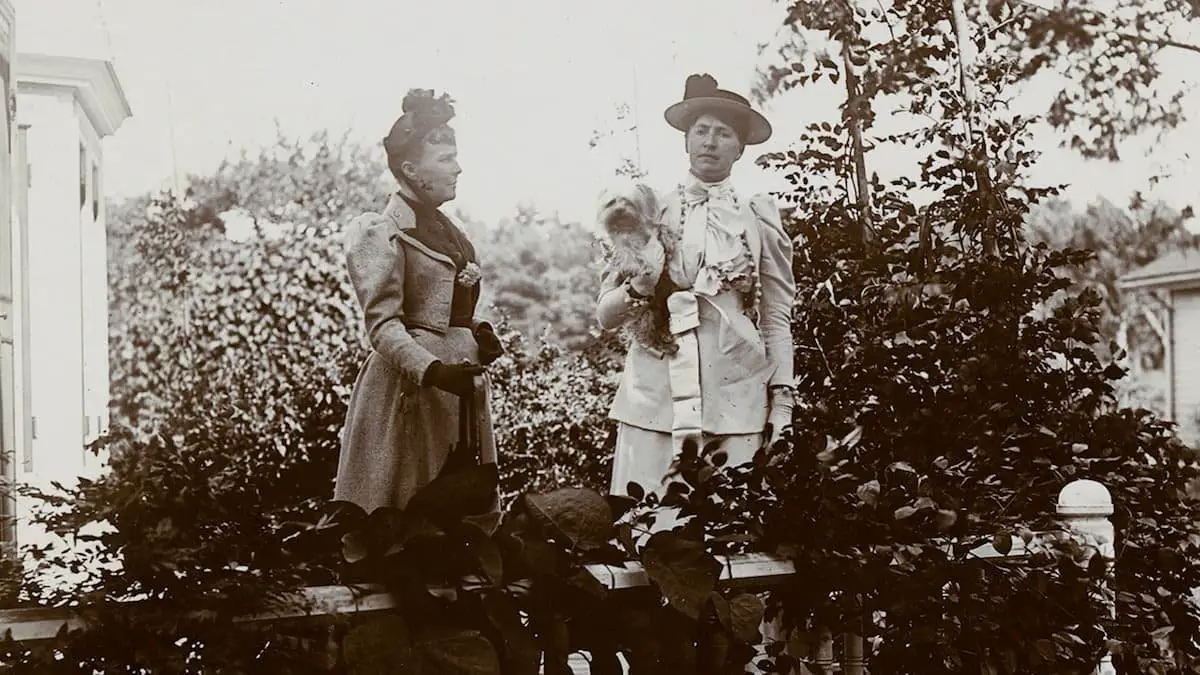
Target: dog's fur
(628,218)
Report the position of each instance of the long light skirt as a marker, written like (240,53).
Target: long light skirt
(644,456)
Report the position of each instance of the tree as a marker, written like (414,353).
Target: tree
(1122,241)
(948,376)
(1106,55)
(232,361)
(543,274)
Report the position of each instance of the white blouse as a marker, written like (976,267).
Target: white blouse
(713,255)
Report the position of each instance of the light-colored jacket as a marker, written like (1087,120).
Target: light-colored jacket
(735,375)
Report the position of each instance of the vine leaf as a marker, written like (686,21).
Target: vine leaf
(746,614)
(519,651)
(455,651)
(379,644)
(684,571)
(581,515)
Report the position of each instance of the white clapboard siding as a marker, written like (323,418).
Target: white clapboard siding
(1186,375)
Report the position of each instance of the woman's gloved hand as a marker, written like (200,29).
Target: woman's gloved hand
(780,402)
(489,344)
(653,258)
(456,378)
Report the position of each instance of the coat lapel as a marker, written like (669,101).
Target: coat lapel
(406,221)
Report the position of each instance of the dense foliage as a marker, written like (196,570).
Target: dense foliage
(950,383)
(270,321)
(1122,241)
(962,366)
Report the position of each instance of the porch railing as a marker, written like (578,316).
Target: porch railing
(1085,506)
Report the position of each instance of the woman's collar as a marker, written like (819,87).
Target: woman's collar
(693,179)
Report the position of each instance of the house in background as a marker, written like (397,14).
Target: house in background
(1174,281)
(55,391)
(8,441)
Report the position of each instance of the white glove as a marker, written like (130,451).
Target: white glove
(654,258)
(780,402)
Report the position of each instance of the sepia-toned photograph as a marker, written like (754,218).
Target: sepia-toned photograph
(464,337)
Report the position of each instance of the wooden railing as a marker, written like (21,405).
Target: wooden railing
(1085,506)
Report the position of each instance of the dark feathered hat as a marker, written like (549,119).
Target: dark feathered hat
(702,95)
(423,112)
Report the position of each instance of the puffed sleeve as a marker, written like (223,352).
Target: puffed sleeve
(778,290)
(612,304)
(376,267)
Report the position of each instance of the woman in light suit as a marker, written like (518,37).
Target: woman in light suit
(731,310)
(416,278)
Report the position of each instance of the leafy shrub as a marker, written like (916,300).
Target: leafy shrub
(542,276)
(481,593)
(552,406)
(271,322)
(950,385)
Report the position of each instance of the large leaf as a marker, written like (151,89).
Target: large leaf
(579,514)
(380,645)
(457,494)
(745,617)
(340,515)
(519,652)
(384,527)
(455,651)
(484,550)
(685,572)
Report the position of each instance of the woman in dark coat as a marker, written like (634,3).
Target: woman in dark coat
(417,280)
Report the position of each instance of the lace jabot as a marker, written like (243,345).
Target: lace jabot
(713,254)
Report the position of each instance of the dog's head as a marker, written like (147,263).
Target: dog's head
(628,208)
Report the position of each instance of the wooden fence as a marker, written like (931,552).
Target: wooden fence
(1084,505)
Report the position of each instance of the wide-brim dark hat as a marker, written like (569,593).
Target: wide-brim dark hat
(702,95)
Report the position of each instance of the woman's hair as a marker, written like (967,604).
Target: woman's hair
(424,122)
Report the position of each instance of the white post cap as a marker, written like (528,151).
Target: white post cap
(1085,498)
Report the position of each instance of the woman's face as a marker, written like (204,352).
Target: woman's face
(713,146)
(436,171)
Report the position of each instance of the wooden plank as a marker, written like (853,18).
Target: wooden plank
(40,623)
(760,569)
(737,570)
(746,570)
(35,625)
(326,601)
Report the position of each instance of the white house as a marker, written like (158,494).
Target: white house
(55,391)
(8,438)
(1173,281)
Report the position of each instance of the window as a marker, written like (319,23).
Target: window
(83,175)
(95,191)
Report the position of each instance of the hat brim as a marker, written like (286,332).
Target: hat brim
(680,115)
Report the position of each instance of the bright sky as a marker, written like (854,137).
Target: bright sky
(533,80)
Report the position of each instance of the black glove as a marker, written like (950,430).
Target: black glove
(457,378)
(490,348)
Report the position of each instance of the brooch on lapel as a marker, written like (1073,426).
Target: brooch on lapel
(469,276)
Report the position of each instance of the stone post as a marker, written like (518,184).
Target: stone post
(1086,506)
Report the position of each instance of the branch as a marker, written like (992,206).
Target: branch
(976,148)
(1159,42)
(1133,37)
(860,162)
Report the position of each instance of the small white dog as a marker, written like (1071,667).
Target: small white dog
(628,218)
